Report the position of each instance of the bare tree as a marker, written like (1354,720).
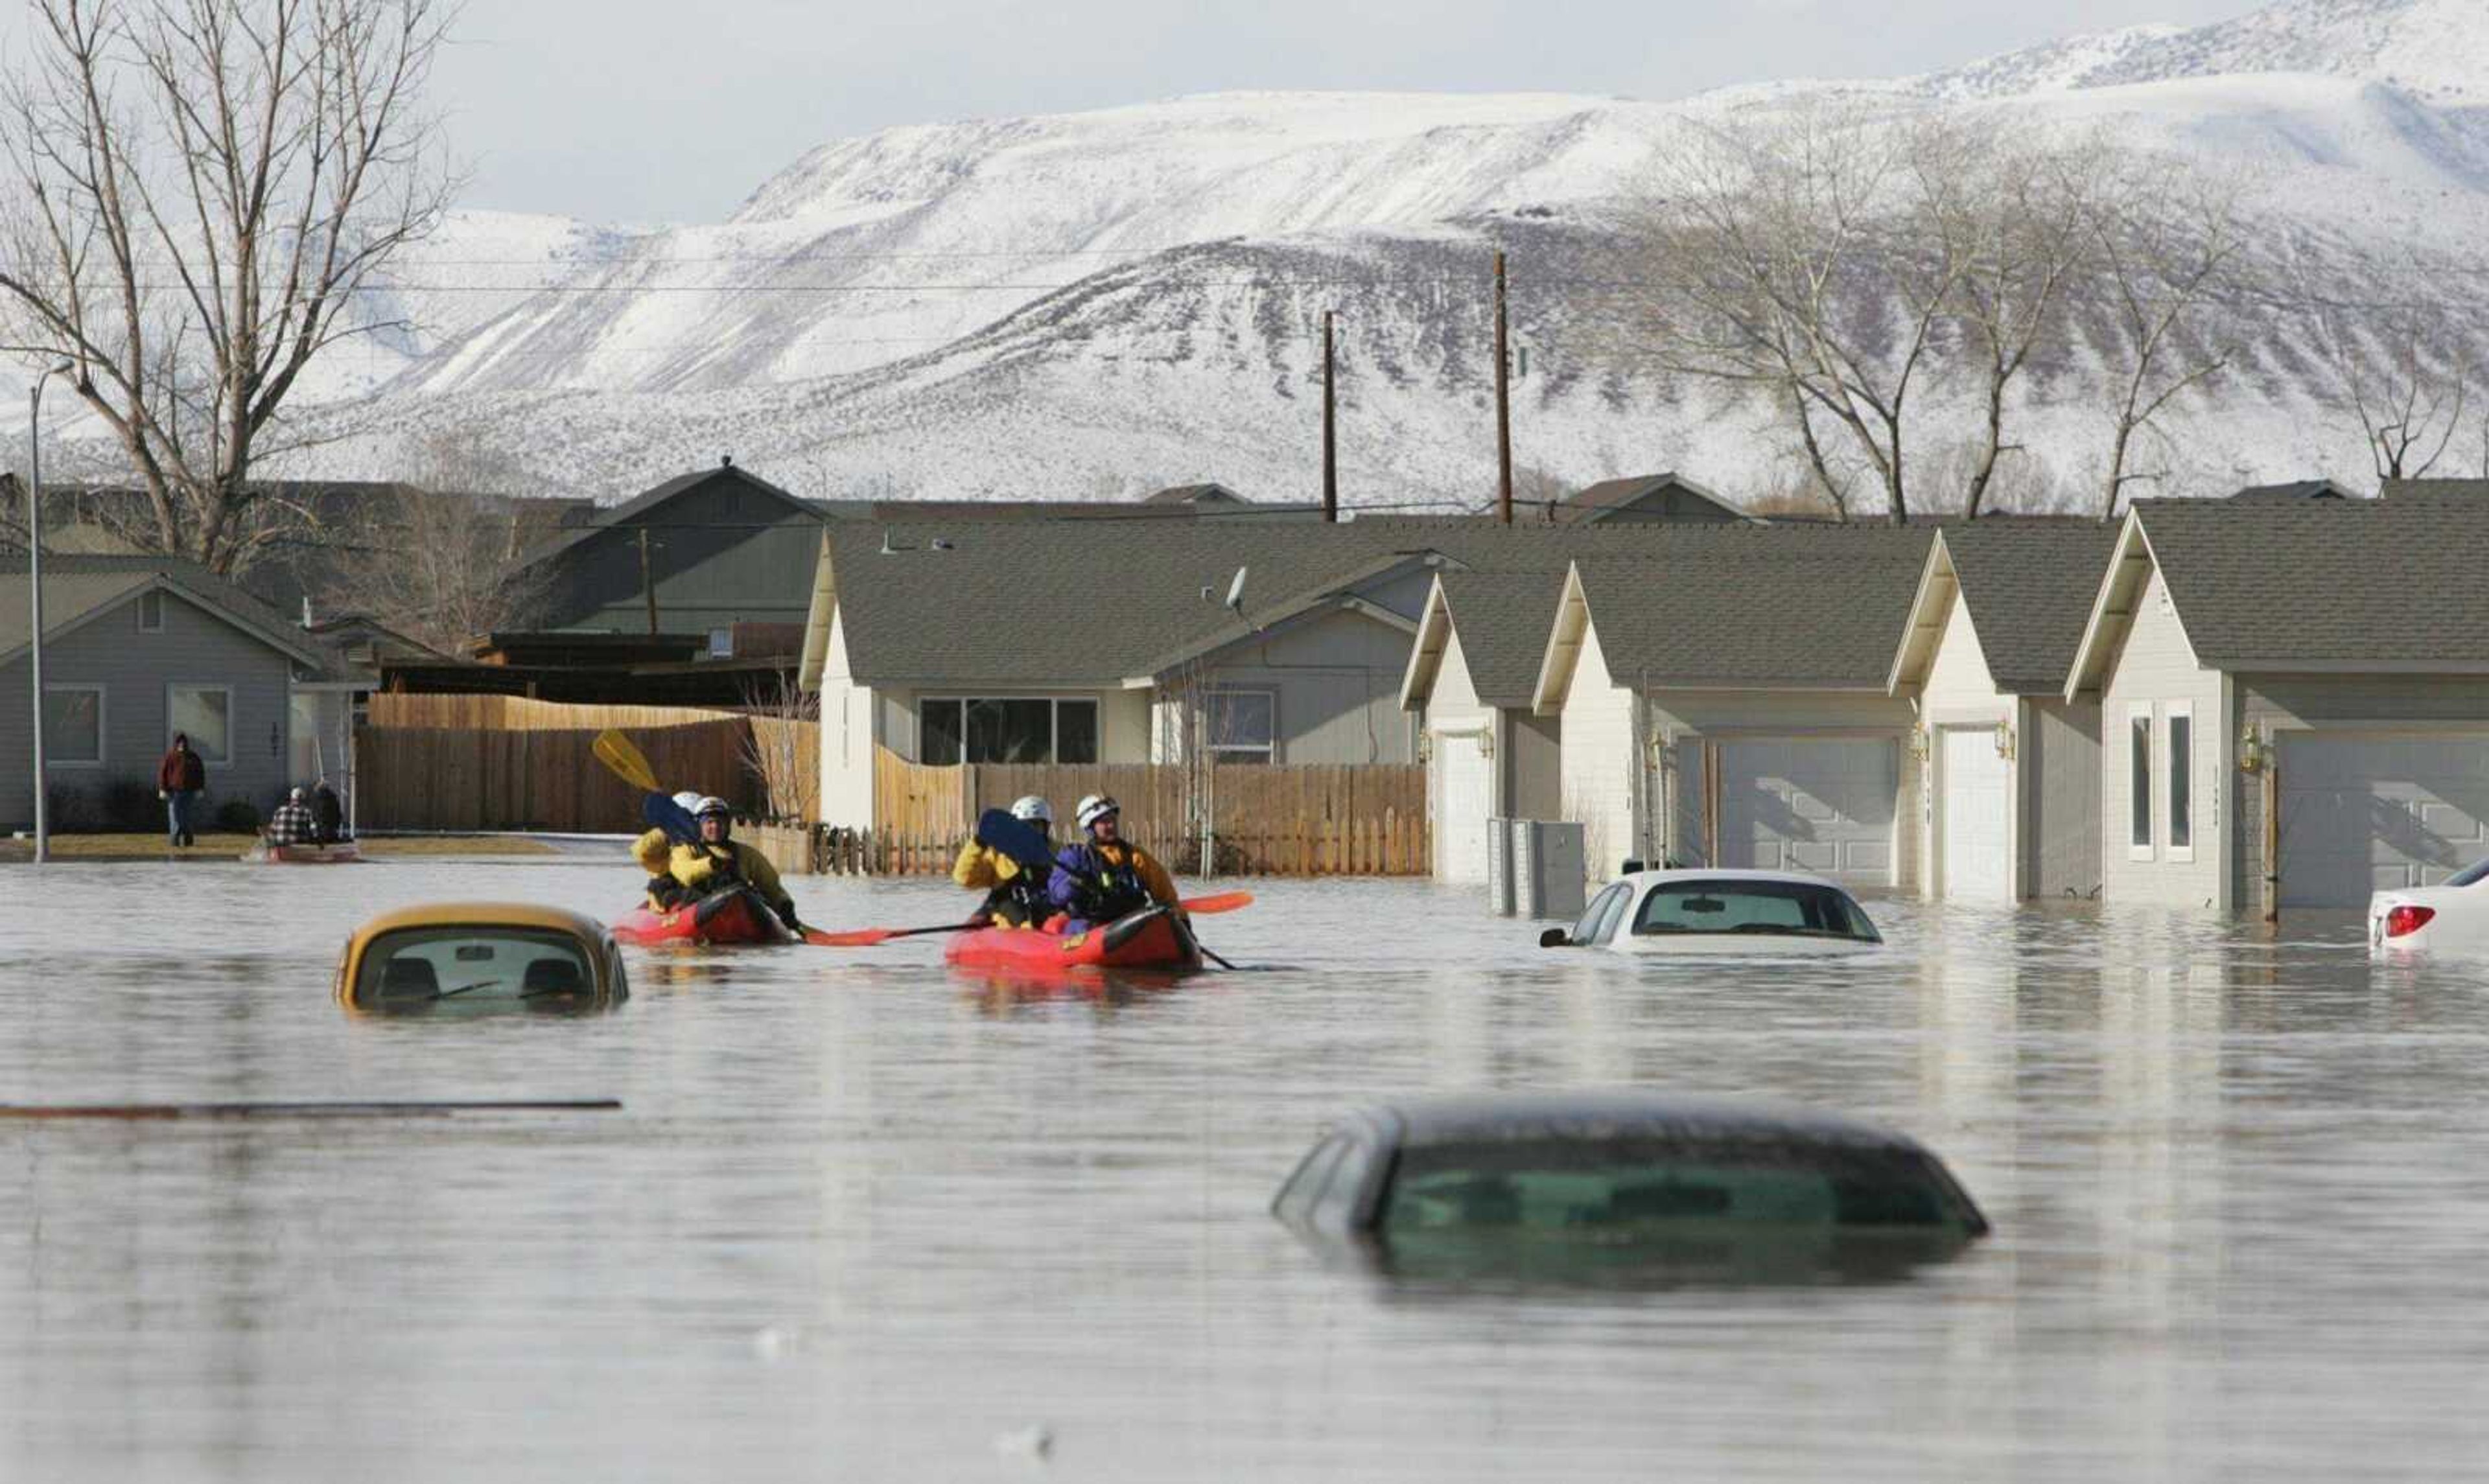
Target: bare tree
(1804,257)
(2403,355)
(2168,242)
(441,566)
(783,749)
(198,194)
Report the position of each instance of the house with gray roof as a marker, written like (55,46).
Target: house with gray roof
(2294,699)
(1489,753)
(1644,498)
(1725,700)
(136,648)
(2008,763)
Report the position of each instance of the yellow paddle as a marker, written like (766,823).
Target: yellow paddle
(629,764)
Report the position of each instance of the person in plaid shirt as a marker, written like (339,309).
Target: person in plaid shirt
(292,823)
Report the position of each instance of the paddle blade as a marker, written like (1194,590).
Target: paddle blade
(1017,839)
(1224,902)
(662,812)
(862,937)
(628,763)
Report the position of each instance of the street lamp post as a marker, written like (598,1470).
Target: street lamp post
(35,581)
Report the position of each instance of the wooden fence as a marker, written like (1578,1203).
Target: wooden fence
(1306,820)
(521,713)
(471,779)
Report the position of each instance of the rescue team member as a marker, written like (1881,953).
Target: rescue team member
(1100,879)
(1015,894)
(179,778)
(291,824)
(700,867)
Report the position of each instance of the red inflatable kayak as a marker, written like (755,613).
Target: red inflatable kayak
(734,914)
(1155,937)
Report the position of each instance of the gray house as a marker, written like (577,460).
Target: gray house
(137,649)
(1668,497)
(2294,699)
(2009,765)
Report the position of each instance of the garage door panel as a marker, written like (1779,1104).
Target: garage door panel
(1820,805)
(2364,811)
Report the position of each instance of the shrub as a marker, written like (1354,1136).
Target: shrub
(131,805)
(238,816)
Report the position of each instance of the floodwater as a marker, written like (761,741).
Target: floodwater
(860,1218)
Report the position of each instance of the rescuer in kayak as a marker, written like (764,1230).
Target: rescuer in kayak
(1016,895)
(1105,876)
(698,868)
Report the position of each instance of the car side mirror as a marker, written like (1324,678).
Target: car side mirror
(1556,937)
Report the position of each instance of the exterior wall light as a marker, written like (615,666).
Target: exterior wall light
(2005,740)
(2253,752)
(1918,744)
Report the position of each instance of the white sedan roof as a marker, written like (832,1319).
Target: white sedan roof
(1640,878)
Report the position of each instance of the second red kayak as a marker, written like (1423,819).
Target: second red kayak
(734,914)
(1155,937)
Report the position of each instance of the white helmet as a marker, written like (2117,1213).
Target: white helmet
(712,805)
(1097,806)
(1031,807)
(688,802)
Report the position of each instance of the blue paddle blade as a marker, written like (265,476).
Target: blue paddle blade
(1017,839)
(661,812)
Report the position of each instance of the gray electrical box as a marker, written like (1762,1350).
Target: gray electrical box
(1499,867)
(1547,870)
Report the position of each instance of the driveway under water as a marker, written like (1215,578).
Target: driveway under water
(863,1218)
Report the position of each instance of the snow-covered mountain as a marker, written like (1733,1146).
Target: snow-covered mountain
(1092,302)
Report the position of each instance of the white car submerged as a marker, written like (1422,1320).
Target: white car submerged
(1719,912)
(2450,919)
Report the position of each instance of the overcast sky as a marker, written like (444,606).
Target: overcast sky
(675,109)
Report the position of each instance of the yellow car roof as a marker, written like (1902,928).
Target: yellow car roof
(484,914)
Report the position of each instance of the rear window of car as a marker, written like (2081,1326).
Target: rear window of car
(1608,1189)
(423,964)
(1793,908)
(2470,875)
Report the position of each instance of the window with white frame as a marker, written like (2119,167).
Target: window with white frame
(1241,725)
(720,643)
(203,713)
(151,611)
(1028,728)
(2138,785)
(73,725)
(2179,814)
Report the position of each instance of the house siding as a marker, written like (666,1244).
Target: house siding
(1336,678)
(1960,691)
(1597,764)
(1691,718)
(2279,704)
(2154,667)
(194,646)
(1529,764)
(2059,782)
(848,737)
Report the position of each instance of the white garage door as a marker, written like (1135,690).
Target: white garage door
(1975,807)
(1823,805)
(1464,781)
(2365,810)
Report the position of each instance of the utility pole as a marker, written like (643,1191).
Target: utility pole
(1502,404)
(646,586)
(1331,443)
(34,586)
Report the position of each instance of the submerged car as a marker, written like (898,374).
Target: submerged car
(1719,912)
(2453,918)
(481,955)
(1587,1184)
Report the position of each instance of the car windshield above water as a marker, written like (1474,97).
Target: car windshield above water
(1752,907)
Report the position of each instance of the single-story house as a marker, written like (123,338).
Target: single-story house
(2294,699)
(136,648)
(1728,704)
(1641,498)
(1489,753)
(2008,764)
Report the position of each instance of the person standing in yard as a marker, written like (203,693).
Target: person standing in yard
(291,824)
(1105,876)
(179,778)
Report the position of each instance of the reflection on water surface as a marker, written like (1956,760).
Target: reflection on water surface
(860,1218)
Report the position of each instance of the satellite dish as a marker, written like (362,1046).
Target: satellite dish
(1236,593)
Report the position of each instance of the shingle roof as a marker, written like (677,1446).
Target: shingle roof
(2029,586)
(75,586)
(649,499)
(1592,502)
(2402,580)
(1066,602)
(1776,606)
(1502,621)
(2296,489)
(2469,489)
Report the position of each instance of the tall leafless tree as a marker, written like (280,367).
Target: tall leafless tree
(198,194)
(2403,352)
(2168,252)
(443,566)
